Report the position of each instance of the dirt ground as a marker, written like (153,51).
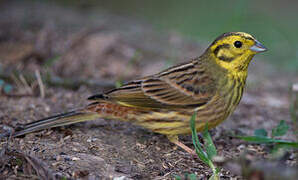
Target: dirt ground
(89,51)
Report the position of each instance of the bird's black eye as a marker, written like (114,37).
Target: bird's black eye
(238,44)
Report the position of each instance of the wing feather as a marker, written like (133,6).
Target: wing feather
(186,85)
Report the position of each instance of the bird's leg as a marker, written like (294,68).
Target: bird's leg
(174,139)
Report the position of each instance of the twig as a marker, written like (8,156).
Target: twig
(76,83)
(25,84)
(40,84)
(56,81)
(40,168)
(15,80)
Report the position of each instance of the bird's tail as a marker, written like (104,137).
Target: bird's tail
(56,121)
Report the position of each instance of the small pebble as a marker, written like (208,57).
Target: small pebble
(67,137)
(295,87)
(241,147)
(36,149)
(75,158)
(47,109)
(75,149)
(67,158)
(120,178)
(59,158)
(62,153)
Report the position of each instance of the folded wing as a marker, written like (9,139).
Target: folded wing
(183,86)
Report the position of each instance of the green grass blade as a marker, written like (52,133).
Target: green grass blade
(266,140)
(210,148)
(287,145)
(214,177)
(209,145)
(256,139)
(199,150)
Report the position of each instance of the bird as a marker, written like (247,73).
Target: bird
(211,85)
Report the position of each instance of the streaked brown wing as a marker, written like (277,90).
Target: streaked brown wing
(180,86)
(192,80)
(130,94)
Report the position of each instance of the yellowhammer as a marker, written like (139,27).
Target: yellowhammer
(211,84)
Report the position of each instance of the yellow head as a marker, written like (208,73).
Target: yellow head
(234,50)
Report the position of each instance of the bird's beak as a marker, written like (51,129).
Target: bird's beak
(258,47)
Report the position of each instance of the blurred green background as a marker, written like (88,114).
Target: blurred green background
(274,23)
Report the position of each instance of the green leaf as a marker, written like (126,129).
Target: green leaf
(1,82)
(266,140)
(210,148)
(281,129)
(177,177)
(118,84)
(256,139)
(209,145)
(260,132)
(217,170)
(214,177)
(19,162)
(49,62)
(287,145)
(191,176)
(199,150)
(7,88)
